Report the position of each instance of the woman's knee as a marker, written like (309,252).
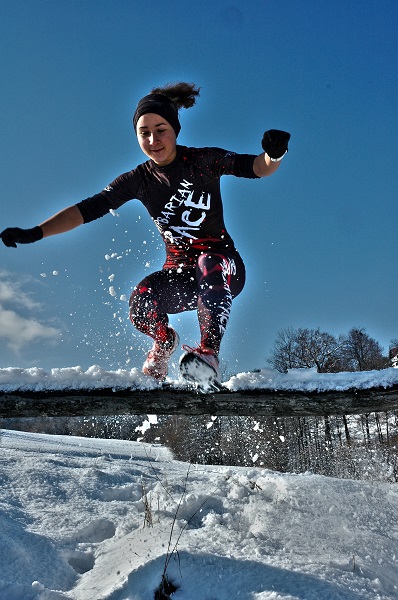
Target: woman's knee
(221,270)
(142,303)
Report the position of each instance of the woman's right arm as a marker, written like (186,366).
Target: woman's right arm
(117,193)
(65,220)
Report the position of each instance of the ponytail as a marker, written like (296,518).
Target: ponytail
(182,94)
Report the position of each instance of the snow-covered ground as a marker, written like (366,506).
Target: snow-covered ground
(12,378)
(91,519)
(72,516)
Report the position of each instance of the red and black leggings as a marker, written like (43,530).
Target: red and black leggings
(208,288)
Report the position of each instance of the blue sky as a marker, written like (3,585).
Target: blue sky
(319,238)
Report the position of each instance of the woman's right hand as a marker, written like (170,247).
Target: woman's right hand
(14,235)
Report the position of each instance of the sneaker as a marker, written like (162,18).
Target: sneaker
(200,366)
(156,364)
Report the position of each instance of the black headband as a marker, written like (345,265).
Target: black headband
(160,105)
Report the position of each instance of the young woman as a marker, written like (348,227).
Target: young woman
(180,188)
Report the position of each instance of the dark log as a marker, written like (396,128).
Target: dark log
(171,401)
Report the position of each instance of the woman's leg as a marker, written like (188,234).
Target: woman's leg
(167,291)
(221,277)
(162,293)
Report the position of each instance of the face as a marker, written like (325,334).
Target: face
(157,138)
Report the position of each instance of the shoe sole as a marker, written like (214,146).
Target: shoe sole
(198,372)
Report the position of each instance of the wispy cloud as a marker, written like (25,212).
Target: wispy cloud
(17,330)
(12,290)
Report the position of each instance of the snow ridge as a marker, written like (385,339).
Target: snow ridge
(95,377)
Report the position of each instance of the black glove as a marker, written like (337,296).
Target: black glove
(275,143)
(14,235)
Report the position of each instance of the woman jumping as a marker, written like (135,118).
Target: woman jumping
(180,188)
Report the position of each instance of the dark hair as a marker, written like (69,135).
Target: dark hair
(182,94)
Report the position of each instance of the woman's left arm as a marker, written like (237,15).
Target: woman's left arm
(275,146)
(263,166)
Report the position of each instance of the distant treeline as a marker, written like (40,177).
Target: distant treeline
(356,446)
(306,348)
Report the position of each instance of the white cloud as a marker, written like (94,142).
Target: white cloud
(6,292)
(12,291)
(17,330)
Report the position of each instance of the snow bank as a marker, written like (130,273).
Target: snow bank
(309,380)
(73,510)
(95,377)
(75,378)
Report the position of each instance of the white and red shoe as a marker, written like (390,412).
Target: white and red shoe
(200,367)
(157,360)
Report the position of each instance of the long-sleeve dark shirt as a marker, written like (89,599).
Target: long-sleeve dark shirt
(183,199)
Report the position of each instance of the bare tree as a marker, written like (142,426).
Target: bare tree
(283,355)
(305,348)
(361,352)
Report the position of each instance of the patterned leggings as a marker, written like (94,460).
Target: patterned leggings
(208,288)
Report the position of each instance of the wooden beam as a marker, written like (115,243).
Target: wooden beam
(171,401)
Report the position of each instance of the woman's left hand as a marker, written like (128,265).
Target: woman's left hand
(275,143)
